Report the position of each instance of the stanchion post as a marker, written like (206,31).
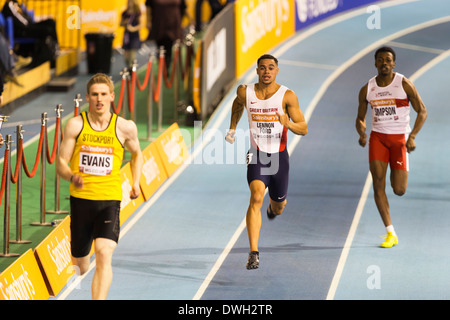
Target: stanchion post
(43,173)
(126,75)
(57,210)
(6,220)
(77,101)
(160,99)
(150,99)
(176,81)
(19,137)
(133,97)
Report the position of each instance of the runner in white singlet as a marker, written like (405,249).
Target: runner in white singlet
(272,110)
(389,95)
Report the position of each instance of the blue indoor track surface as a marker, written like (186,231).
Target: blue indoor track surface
(189,240)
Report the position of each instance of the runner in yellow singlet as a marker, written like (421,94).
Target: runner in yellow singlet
(90,157)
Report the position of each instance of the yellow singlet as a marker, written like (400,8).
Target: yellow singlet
(97,157)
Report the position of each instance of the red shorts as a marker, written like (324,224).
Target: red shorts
(390,148)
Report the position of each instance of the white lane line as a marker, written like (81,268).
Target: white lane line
(429,65)
(415,47)
(307,64)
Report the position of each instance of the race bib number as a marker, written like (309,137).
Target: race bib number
(383,114)
(96,160)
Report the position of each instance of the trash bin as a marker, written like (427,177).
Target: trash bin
(99,51)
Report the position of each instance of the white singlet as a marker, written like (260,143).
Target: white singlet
(266,132)
(390,106)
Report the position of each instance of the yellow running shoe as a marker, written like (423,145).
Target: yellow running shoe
(389,241)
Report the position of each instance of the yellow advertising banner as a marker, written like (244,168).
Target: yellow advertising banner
(23,280)
(55,257)
(260,26)
(153,171)
(128,205)
(172,148)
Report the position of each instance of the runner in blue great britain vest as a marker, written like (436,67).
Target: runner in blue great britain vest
(272,110)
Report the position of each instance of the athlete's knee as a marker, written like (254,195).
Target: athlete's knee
(256,199)
(81,266)
(379,184)
(399,191)
(103,255)
(278,207)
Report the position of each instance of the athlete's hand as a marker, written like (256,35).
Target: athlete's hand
(410,144)
(135,192)
(230,136)
(363,140)
(284,119)
(77,181)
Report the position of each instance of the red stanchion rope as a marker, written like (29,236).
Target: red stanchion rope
(4,177)
(51,158)
(157,90)
(122,91)
(131,90)
(172,73)
(147,77)
(15,176)
(25,167)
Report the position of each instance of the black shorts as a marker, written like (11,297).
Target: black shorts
(270,168)
(92,219)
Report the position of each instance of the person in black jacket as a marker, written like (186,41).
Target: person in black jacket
(44,32)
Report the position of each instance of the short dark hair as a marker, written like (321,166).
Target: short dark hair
(385,49)
(267,56)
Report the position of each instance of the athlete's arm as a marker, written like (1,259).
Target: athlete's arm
(236,111)
(71,131)
(292,110)
(361,117)
(128,131)
(419,107)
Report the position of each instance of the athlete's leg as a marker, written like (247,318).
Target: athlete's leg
(82,264)
(278,185)
(253,218)
(378,170)
(277,207)
(104,249)
(399,181)
(399,162)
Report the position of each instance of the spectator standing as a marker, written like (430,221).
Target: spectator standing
(131,21)
(164,23)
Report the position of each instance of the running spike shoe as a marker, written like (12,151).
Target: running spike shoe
(270,214)
(389,241)
(253,260)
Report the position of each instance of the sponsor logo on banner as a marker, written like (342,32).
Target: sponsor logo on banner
(153,172)
(311,11)
(55,257)
(260,26)
(172,148)
(23,280)
(128,205)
